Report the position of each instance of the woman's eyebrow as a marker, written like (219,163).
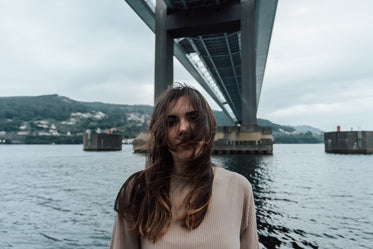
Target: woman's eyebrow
(186,114)
(191,113)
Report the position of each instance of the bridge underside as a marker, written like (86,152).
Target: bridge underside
(223,44)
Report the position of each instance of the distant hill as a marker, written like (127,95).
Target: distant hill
(276,128)
(54,115)
(113,108)
(24,118)
(307,128)
(59,107)
(223,120)
(40,107)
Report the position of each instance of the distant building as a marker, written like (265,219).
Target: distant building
(43,133)
(138,117)
(23,133)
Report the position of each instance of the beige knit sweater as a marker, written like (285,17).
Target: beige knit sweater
(230,222)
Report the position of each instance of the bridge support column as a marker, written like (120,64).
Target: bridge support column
(164,51)
(248,64)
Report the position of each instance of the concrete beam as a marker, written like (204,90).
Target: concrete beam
(164,51)
(248,63)
(204,21)
(143,10)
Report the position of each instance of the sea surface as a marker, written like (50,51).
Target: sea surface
(59,196)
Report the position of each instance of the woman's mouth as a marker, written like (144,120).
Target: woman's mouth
(183,144)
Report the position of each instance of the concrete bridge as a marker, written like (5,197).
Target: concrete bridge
(224,45)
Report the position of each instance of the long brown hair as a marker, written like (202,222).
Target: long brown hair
(144,198)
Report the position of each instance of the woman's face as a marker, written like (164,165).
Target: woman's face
(181,120)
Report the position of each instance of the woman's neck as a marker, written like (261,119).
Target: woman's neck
(179,168)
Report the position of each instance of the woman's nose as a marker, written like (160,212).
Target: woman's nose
(184,126)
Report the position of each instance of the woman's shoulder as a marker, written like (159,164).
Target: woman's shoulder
(129,190)
(131,184)
(231,177)
(132,181)
(135,175)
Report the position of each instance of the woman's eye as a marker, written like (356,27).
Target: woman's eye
(171,122)
(193,117)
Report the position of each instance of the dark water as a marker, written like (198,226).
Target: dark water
(62,197)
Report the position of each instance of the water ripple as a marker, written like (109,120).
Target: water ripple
(62,197)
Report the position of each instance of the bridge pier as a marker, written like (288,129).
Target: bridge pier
(248,64)
(164,51)
(243,140)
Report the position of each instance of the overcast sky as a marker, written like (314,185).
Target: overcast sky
(319,68)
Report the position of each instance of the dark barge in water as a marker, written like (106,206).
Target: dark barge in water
(102,142)
(349,142)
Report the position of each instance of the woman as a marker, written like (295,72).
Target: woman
(181,200)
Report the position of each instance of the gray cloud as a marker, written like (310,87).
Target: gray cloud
(319,66)
(318,70)
(73,47)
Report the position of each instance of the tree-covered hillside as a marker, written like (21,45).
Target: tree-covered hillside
(54,115)
(223,120)
(40,107)
(56,118)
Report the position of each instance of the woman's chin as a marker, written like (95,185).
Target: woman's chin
(183,153)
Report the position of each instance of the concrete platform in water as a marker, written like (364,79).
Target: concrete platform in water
(102,142)
(243,140)
(232,140)
(349,142)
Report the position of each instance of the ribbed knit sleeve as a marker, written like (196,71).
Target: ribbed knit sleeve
(249,236)
(122,237)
